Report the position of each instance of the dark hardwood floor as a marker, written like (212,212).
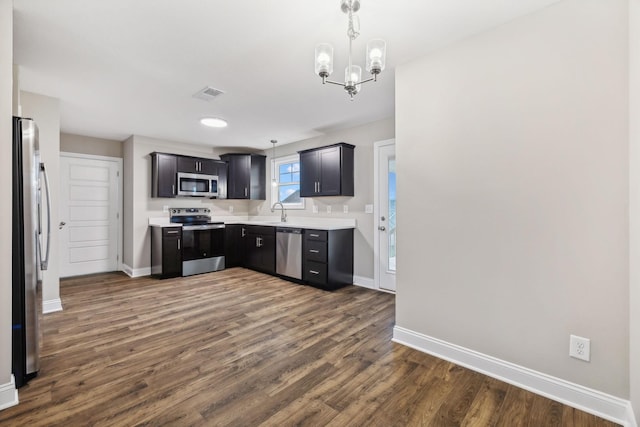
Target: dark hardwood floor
(240,348)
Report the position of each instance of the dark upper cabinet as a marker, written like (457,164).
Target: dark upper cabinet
(246,176)
(327,171)
(164,169)
(197,165)
(163,174)
(260,248)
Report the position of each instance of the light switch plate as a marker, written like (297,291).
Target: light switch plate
(328,208)
(345,209)
(165,209)
(368,209)
(315,208)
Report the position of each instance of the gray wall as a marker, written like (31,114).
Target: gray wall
(71,143)
(512,157)
(634,179)
(6,89)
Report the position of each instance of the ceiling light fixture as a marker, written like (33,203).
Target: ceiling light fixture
(375,59)
(213,122)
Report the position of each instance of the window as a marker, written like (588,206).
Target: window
(286,188)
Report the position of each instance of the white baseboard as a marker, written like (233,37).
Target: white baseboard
(364,282)
(51,305)
(136,272)
(588,400)
(8,394)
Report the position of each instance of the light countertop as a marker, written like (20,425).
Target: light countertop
(292,222)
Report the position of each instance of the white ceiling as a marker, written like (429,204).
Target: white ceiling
(124,67)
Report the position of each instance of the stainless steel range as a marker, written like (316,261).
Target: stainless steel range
(202,240)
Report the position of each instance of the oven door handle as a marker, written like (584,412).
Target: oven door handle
(202,227)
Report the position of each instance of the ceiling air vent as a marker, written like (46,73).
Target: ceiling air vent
(208,93)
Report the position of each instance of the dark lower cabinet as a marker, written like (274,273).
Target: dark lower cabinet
(260,248)
(327,258)
(166,252)
(234,245)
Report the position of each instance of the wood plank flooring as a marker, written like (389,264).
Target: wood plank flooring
(239,348)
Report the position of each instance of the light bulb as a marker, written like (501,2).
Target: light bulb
(375,54)
(323,58)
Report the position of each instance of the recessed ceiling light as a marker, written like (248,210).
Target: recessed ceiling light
(213,122)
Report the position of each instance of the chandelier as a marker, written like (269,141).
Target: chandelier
(375,59)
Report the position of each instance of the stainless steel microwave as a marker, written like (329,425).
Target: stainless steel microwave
(197,185)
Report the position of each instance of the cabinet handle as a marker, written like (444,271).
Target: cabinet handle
(313,272)
(315,186)
(178,244)
(173,189)
(314,251)
(244,231)
(318,186)
(314,235)
(173,232)
(258,242)
(245,191)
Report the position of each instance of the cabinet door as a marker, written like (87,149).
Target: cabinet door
(268,256)
(171,255)
(234,245)
(253,253)
(188,164)
(208,166)
(308,173)
(164,175)
(238,177)
(329,167)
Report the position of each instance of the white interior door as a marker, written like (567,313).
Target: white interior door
(385,214)
(89,215)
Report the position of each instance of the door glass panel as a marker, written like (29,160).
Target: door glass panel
(392,214)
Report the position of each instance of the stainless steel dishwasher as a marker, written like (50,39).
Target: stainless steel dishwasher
(289,252)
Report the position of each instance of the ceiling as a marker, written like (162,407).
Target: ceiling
(122,67)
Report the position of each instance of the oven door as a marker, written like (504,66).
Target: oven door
(197,185)
(202,248)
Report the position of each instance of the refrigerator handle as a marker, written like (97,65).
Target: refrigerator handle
(44,263)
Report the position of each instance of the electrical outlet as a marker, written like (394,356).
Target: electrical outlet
(580,348)
(328,208)
(315,208)
(345,209)
(368,208)
(165,209)
(230,209)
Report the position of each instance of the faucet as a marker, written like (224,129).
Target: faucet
(283,213)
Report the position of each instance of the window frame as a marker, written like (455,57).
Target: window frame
(275,175)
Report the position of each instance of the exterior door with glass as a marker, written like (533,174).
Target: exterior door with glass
(385,214)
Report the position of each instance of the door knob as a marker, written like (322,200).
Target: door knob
(62,224)
(381,227)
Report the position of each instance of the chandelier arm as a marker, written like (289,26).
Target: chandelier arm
(368,80)
(334,83)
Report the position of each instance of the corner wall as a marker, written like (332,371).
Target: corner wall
(8,394)
(634,198)
(513,180)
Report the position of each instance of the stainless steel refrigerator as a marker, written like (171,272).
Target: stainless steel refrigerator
(29,256)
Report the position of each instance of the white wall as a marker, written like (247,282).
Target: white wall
(513,182)
(46,113)
(6,88)
(634,196)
